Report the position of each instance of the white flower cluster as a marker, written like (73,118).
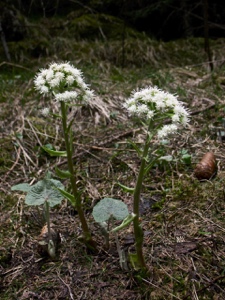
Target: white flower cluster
(45,111)
(154,104)
(64,81)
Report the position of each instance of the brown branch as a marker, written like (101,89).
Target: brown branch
(198,111)
(14,65)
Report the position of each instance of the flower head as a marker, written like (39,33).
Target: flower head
(154,104)
(45,111)
(166,130)
(64,81)
(66,96)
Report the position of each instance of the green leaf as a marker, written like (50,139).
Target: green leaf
(49,146)
(136,148)
(167,158)
(186,159)
(126,188)
(23,187)
(68,196)
(134,261)
(45,190)
(109,207)
(56,116)
(54,152)
(125,223)
(149,166)
(70,124)
(19,136)
(164,142)
(62,174)
(150,136)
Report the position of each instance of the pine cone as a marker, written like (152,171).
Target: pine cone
(206,168)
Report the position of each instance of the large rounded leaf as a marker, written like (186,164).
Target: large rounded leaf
(23,187)
(45,190)
(109,207)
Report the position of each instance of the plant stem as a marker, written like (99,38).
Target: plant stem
(138,232)
(51,242)
(47,217)
(90,243)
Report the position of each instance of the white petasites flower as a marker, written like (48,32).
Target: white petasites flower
(166,130)
(153,103)
(59,75)
(184,119)
(132,109)
(180,110)
(150,114)
(160,100)
(54,82)
(64,81)
(70,79)
(39,81)
(45,111)
(81,83)
(66,96)
(89,94)
(171,100)
(175,118)
(142,109)
(49,75)
(44,89)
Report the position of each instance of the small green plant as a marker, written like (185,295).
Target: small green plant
(45,192)
(182,157)
(185,157)
(155,107)
(105,212)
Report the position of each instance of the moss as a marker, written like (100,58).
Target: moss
(7,152)
(99,26)
(35,48)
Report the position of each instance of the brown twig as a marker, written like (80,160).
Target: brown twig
(198,111)
(68,287)
(14,65)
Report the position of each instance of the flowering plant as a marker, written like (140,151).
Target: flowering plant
(66,84)
(156,107)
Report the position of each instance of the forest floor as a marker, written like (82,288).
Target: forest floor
(183,218)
